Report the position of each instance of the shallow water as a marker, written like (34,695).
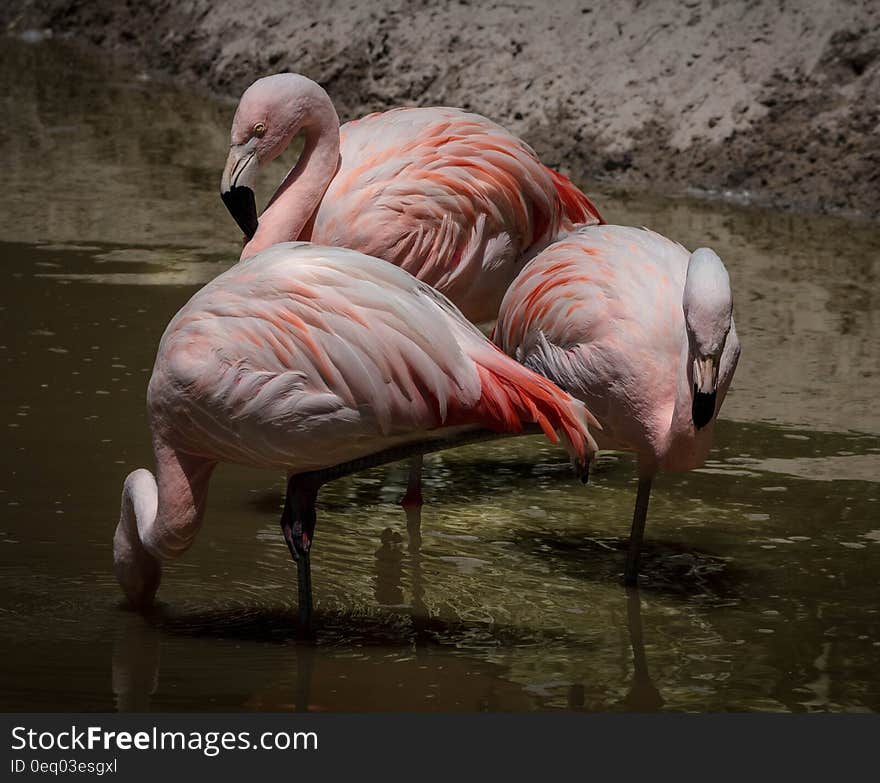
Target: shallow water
(760,571)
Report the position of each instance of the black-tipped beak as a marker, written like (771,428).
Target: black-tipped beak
(705,390)
(236,186)
(242,205)
(703,408)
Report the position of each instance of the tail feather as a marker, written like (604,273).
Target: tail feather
(578,208)
(512,395)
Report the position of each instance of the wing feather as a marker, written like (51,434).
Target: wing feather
(449,196)
(356,357)
(306,356)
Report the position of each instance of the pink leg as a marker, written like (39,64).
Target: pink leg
(413,496)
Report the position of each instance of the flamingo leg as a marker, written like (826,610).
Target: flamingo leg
(298,526)
(298,517)
(413,496)
(631,573)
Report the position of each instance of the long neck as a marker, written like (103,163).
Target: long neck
(183,494)
(293,204)
(137,571)
(158,519)
(681,413)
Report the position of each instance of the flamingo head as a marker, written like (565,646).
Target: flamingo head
(708,310)
(270,113)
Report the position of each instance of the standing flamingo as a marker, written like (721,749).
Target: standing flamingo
(319,361)
(639,329)
(449,196)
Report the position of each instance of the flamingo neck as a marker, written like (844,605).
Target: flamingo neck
(158,519)
(137,571)
(297,198)
(681,412)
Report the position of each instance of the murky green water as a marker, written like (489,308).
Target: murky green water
(760,587)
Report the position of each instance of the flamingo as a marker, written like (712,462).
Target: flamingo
(449,196)
(320,362)
(642,332)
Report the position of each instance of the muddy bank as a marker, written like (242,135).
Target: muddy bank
(743,100)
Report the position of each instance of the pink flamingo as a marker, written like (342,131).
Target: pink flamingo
(449,196)
(642,332)
(318,361)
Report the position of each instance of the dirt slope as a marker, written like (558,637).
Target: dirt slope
(773,102)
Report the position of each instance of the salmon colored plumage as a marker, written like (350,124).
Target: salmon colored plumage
(305,358)
(639,329)
(448,195)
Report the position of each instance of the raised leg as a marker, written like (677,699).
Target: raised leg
(631,573)
(413,496)
(298,527)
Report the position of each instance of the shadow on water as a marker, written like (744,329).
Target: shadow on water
(401,616)
(432,655)
(667,567)
(136,665)
(433,647)
(394,623)
(643,695)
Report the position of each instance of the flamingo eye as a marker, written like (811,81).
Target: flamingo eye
(259,129)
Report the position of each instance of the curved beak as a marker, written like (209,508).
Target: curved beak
(705,390)
(236,186)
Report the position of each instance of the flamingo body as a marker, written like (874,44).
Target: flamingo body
(600,313)
(312,356)
(639,329)
(448,195)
